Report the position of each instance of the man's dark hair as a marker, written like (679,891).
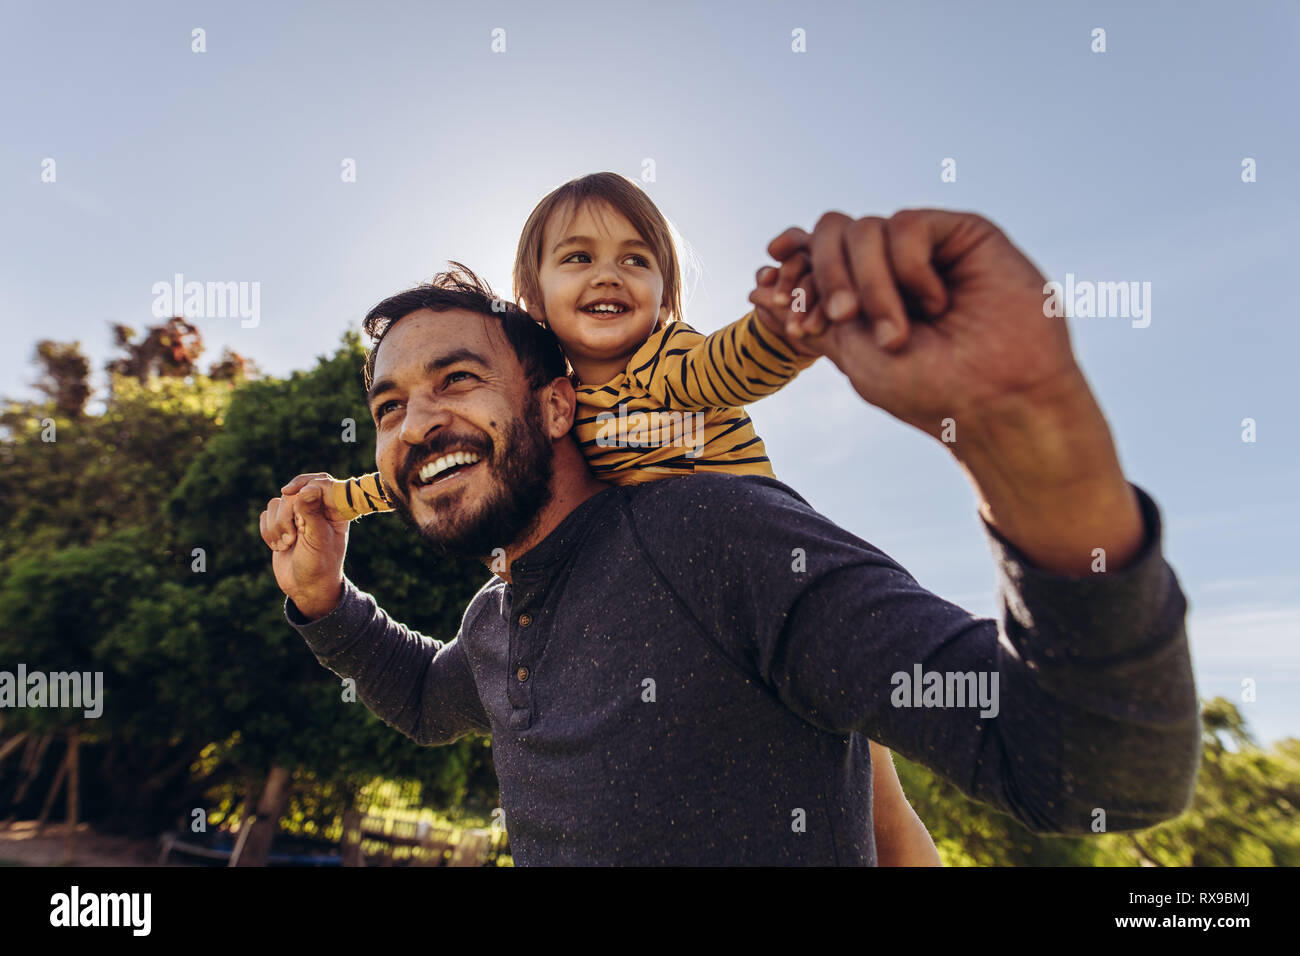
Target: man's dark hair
(536,347)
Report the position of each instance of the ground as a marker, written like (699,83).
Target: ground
(20,844)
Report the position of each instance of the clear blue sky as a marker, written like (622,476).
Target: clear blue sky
(1123,165)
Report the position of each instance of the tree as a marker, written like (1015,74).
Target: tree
(169,350)
(64,379)
(1244,813)
(140,557)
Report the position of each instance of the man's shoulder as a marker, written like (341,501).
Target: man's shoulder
(488,597)
(747,522)
(716,495)
(746,512)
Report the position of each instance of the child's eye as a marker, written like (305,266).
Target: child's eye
(640,260)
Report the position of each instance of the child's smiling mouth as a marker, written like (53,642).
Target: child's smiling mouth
(606,308)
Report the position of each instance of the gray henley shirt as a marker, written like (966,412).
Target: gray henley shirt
(687,672)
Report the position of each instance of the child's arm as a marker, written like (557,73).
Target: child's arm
(749,359)
(354,497)
(901,837)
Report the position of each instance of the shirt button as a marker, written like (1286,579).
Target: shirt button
(525,620)
(522,673)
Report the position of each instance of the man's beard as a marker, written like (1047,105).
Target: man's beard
(523,488)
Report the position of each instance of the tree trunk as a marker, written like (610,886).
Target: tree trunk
(253,849)
(74,789)
(54,792)
(33,756)
(350,844)
(12,744)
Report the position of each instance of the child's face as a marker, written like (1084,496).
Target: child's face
(599,257)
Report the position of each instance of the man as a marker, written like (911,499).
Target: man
(687,672)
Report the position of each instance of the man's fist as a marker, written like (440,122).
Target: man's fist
(933,315)
(308,545)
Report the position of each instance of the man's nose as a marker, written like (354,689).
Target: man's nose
(424,416)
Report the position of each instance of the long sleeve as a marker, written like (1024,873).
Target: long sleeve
(685,370)
(1090,706)
(413,683)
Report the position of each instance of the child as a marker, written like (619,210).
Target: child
(596,262)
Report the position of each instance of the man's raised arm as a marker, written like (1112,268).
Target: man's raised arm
(938,319)
(418,685)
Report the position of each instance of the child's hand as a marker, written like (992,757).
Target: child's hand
(785,301)
(330,503)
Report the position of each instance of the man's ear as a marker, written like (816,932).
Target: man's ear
(559,406)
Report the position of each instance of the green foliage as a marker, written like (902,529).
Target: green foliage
(1244,813)
(131,546)
(273,431)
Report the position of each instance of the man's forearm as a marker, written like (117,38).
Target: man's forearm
(417,685)
(316,605)
(1048,477)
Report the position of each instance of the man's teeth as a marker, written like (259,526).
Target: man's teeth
(435,468)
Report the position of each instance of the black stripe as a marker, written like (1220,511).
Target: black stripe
(785,359)
(728,371)
(736,461)
(745,352)
(718,392)
(673,397)
(724,434)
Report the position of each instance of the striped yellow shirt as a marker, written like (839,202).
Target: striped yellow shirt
(677,407)
(674,410)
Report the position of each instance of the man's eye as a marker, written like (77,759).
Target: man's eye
(382,410)
(453,375)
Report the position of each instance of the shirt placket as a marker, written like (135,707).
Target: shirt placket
(522,610)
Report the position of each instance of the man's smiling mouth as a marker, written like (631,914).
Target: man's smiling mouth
(439,469)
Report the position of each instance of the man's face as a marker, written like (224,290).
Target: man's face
(460,439)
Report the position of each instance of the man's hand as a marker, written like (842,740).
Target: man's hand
(932,314)
(308,545)
(937,318)
(782,298)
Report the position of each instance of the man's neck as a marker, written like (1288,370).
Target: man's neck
(571,485)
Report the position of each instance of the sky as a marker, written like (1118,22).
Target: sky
(228,165)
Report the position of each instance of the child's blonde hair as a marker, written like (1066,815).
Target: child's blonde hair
(626,197)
